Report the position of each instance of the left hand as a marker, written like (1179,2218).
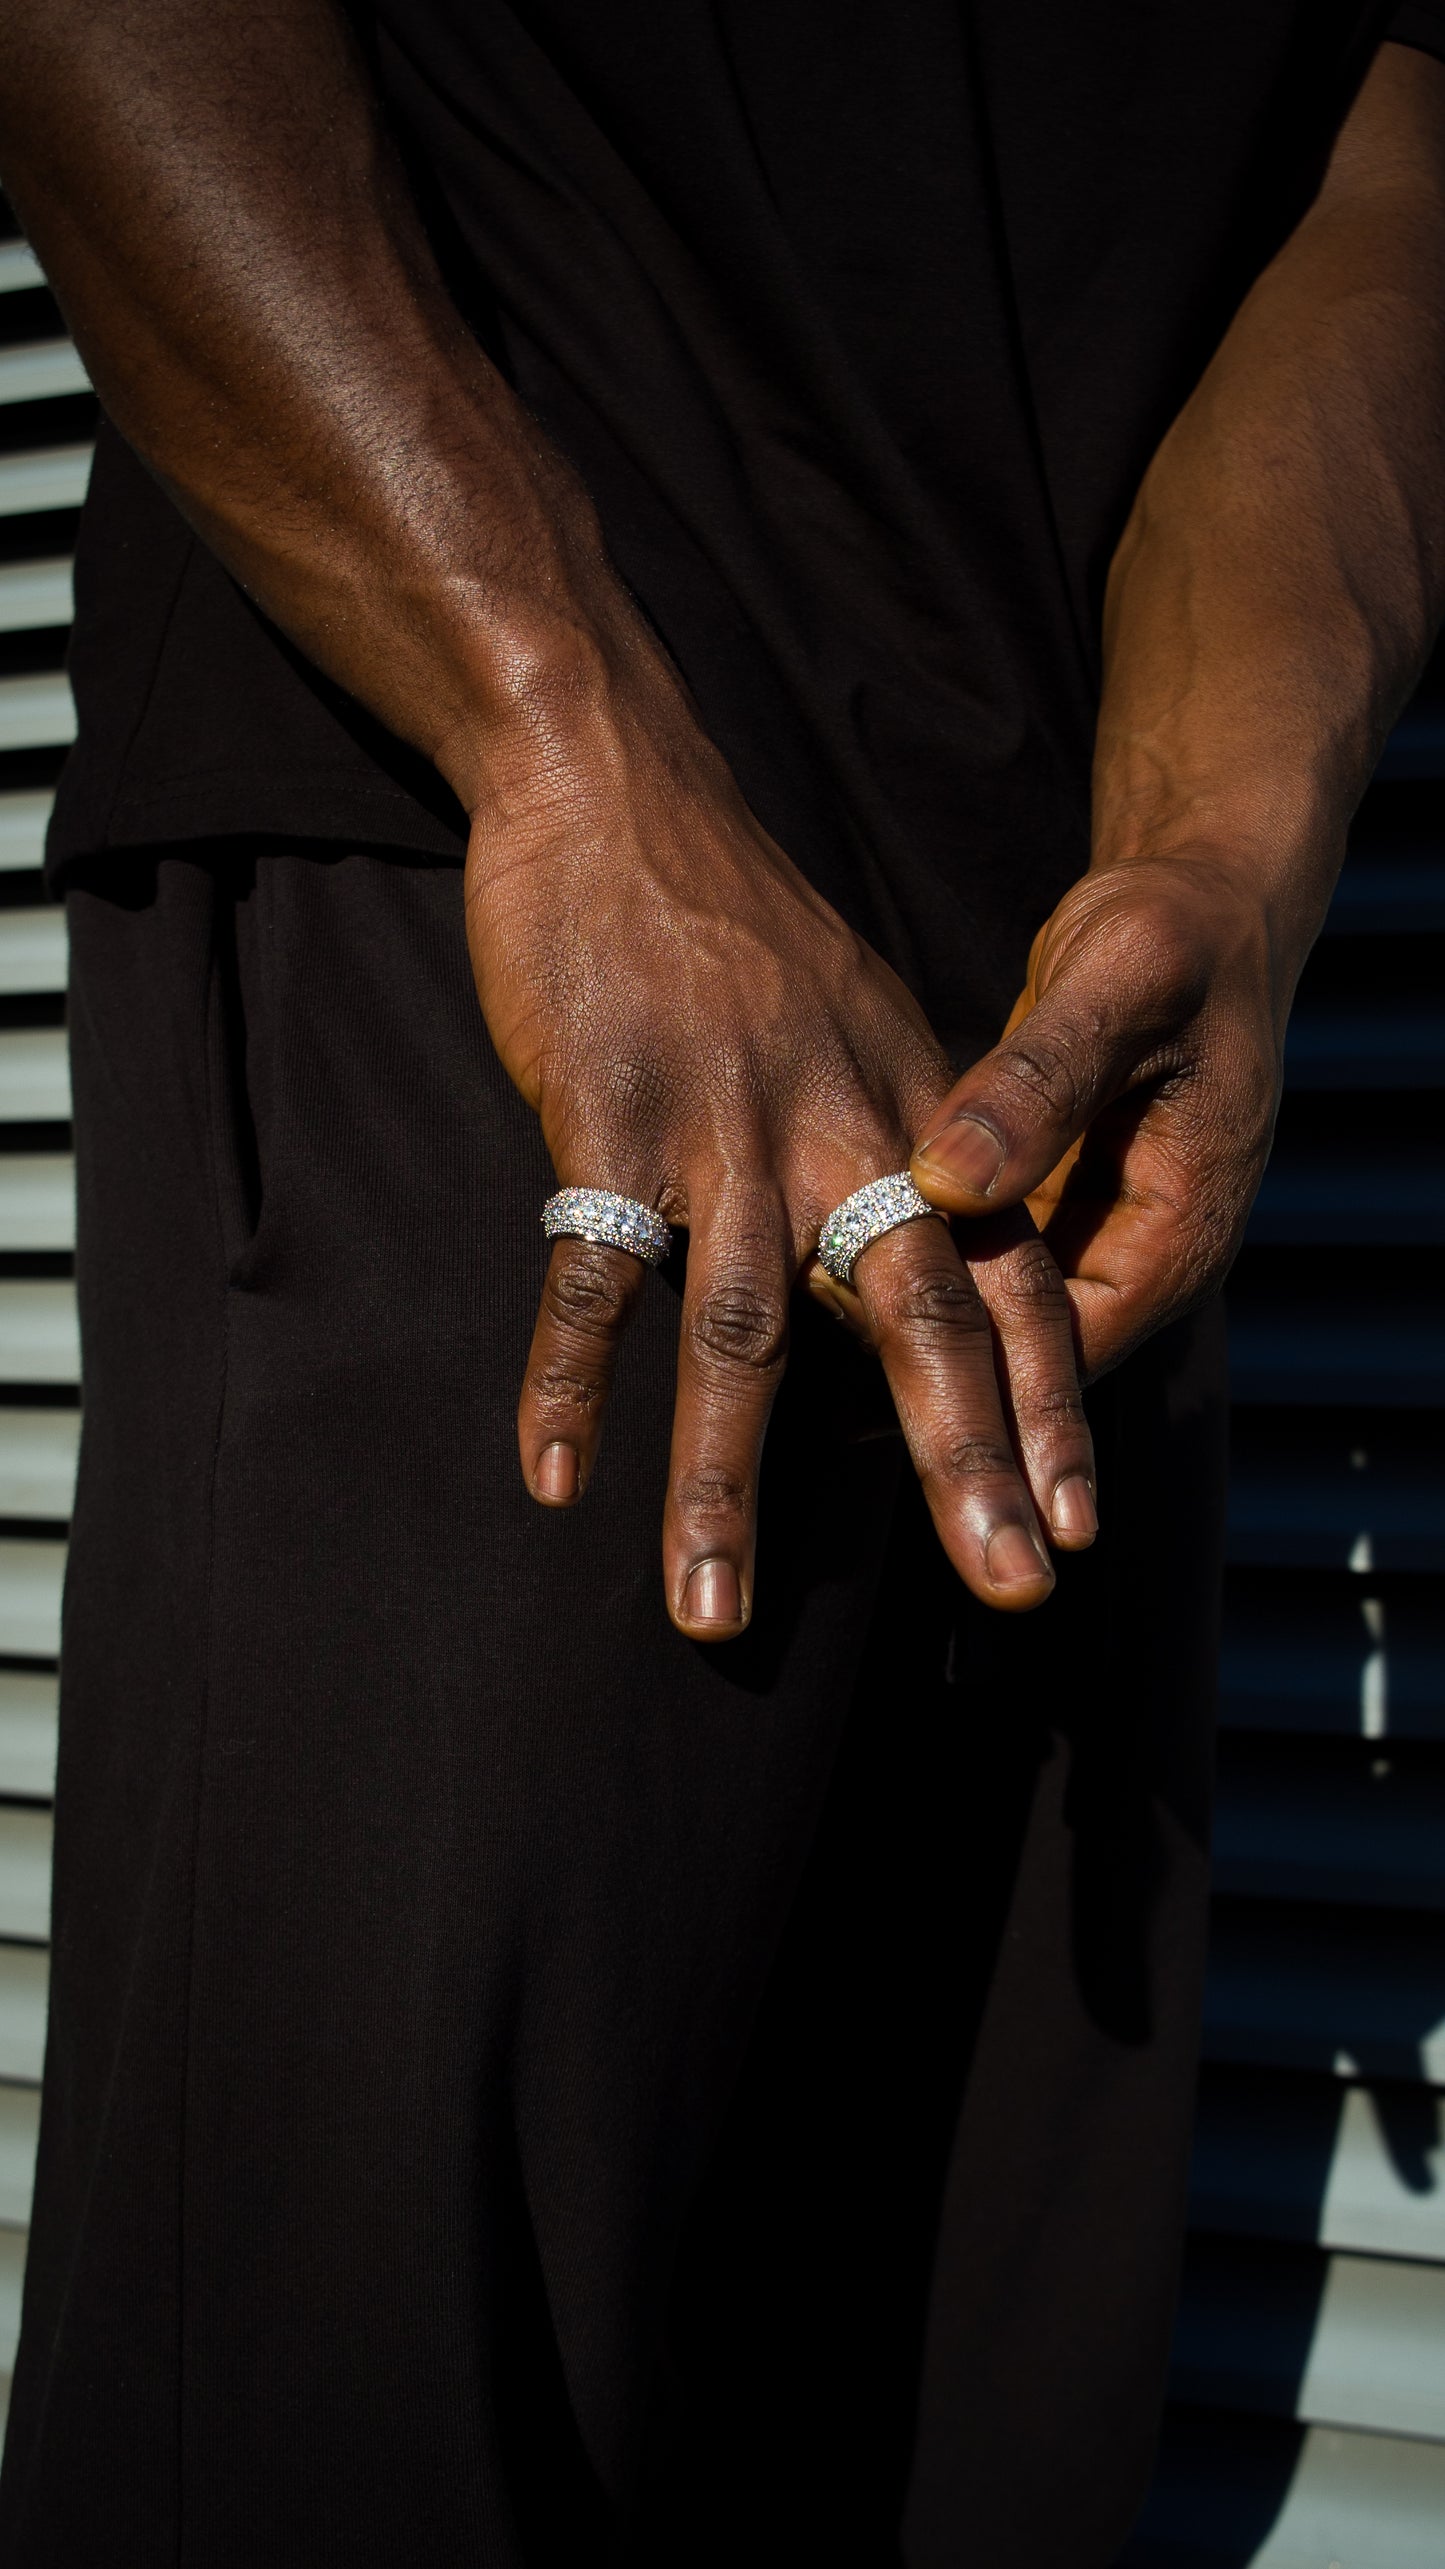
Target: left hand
(1132,1097)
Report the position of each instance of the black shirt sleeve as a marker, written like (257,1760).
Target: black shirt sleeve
(1421,23)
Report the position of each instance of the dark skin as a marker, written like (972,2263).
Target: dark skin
(233,245)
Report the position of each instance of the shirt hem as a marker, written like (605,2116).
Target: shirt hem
(231,803)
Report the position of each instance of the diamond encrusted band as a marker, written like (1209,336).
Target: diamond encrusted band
(884,1206)
(594,1213)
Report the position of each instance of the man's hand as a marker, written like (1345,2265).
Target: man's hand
(1132,1097)
(1270,605)
(697,1028)
(231,238)
(230,235)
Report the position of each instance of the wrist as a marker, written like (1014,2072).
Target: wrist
(536,680)
(562,708)
(1274,838)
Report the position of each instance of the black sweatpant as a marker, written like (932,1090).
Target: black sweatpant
(523,2088)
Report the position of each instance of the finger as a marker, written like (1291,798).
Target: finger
(731,1356)
(1106,1016)
(936,1342)
(1012,1117)
(839,1301)
(1144,1227)
(587,1301)
(1027,1301)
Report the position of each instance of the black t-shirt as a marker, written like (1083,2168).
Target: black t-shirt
(861,319)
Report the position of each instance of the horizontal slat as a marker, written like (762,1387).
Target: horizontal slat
(24,1998)
(20,269)
(34,1076)
(36,713)
(19,2131)
(1313,1653)
(1335,2340)
(12,2278)
(1331,1820)
(1339,1043)
(24,819)
(1333,1343)
(41,369)
(37,1200)
(1315,1489)
(31,1577)
(46,477)
(34,595)
(1286,2157)
(1236,2490)
(1416,746)
(1359,1993)
(1315,1193)
(25,1873)
(1391,892)
(37,1461)
(33,954)
(27,1733)
(39,1333)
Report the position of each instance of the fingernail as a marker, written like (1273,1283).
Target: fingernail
(555,1478)
(713,1594)
(1013,1556)
(965,1152)
(1074,1515)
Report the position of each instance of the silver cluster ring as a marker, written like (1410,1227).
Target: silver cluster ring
(619,1221)
(884,1206)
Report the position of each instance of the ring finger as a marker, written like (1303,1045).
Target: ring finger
(933,1333)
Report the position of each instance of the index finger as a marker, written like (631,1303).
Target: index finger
(587,1301)
(1143,1227)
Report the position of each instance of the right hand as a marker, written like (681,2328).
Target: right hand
(696,1027)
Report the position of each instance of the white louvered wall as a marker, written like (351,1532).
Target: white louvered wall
(46,418)
(1307,2428)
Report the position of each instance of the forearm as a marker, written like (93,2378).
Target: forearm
(1282,575)
(230,235)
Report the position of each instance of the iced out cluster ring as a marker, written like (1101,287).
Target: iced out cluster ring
(619,1221)
(884,1206)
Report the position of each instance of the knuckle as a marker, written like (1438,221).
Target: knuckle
(1042,1070)
(1056,1407)
(633,1088)
(978,1458)
(713,1493)
(1166,955)
(559,1390)
(587,1293)
(1033,1281)
(938,1305)
(738,1324)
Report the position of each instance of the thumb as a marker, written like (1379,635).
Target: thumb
(1012,1118)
